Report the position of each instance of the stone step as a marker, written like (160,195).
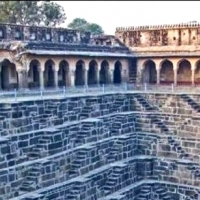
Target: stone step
(167,197)
(72,172)
(141,198)
(144,195)
(108,188)
(33,155)
(31,178)
(34,173)
(110,183)
(146,187)
(160,190)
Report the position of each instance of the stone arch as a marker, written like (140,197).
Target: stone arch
(149,74)
(63,74)
(184,72)
(197,73)
(49,68)
(117,72)
(104,72)
(9,76)
(166,72)
(80,73)
(92,72)
(33,74)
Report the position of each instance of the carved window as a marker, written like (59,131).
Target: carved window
(48,36)
(174,38)
(194,38)
(17,34)
(61,38)
(33,36)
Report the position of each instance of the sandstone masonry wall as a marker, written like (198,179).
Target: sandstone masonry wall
(117,146)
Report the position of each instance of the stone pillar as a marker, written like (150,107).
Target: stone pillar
(193,72)
(56,78)
(86,75)
(175,76)
(158,75)
(125,71)
(72,77)
(97,75)
(22,78)
(41,74)
(158,68)
(111,75)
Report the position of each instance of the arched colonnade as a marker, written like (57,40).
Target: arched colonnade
(49,74)
(168,71)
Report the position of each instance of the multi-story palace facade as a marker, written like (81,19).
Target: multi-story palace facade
(166,53)
(51,57)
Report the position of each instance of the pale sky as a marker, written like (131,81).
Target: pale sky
(112,14)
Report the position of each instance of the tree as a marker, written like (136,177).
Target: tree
(82,25)
(78,24)
(53,13)
(32,13)
(95,29)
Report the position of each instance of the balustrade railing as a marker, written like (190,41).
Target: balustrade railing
(38,93)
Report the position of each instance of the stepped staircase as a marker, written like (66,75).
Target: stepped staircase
(118,104)
(154,119)
(144,103)
(190,102)
(114,152)
(78,162)
(41,149)
(194,168)
(84,133)
(116,126)
(160,193)
(113,180)
(145,193)
(86,111)
(74,192)
(30,183)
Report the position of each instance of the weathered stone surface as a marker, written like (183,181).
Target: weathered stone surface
(131,152)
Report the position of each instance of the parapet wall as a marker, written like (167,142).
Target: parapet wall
(160,35)
(35,33)
(163,26)
(117,146)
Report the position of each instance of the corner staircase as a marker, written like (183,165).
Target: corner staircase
(144,103)
(161,193)
(113,180)
(145,193)
(190,102)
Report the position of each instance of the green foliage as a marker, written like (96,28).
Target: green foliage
(32,13)
(79,24)
(95,29)
(83,25)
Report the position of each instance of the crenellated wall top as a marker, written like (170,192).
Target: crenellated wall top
(192,24)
